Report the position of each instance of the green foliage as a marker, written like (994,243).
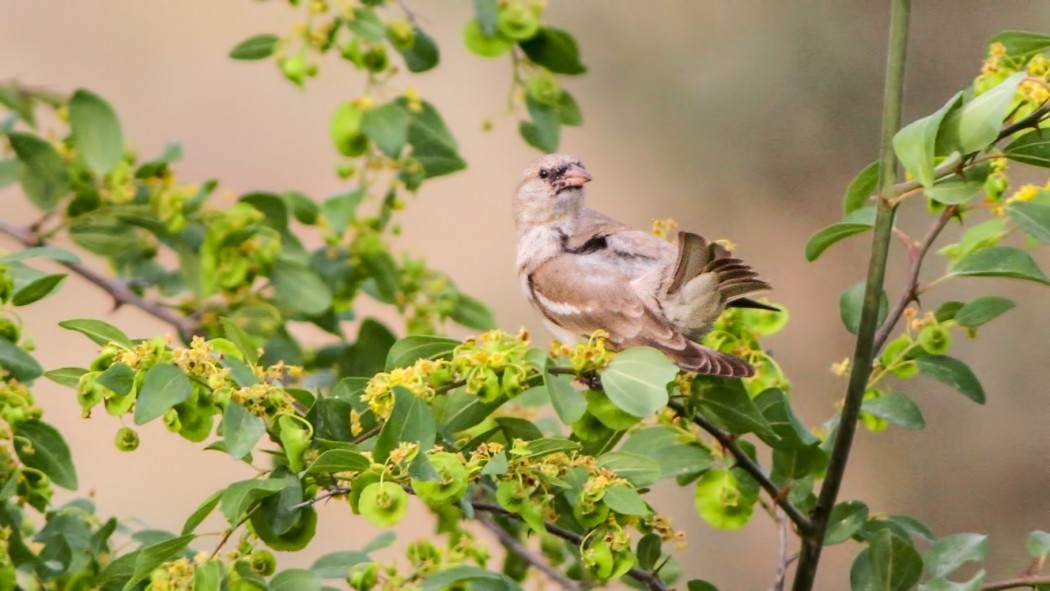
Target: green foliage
(460,427)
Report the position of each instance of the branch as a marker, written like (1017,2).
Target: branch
(650,580)
(813,540)
(910,292)
(512,544)
(119,291)
(728,442)
(1017,583)
(783,560)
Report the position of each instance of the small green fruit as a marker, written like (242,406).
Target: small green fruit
(518,22)
(383,503)
(127,439)
(481,44)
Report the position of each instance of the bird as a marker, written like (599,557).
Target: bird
(584,271)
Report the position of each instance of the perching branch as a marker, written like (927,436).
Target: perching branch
(512,544)
(728,442)
(910,292)
(119,291)
(813,540)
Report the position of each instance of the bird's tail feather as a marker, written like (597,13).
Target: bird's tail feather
(697,256)
(701,359)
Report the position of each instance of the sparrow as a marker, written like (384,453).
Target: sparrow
(584,271)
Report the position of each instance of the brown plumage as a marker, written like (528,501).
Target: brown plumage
(586,271)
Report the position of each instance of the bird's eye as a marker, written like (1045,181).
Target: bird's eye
(544,173)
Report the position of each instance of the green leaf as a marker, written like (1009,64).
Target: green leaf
(335,565)
(636,380)
(202,512)
(982,118)
(208,576)
(367,24)
(649,551)
(471,313)
(339,460)
(43,174)
(846,519)
(411,421)
(37,289)
(150,557)
(915,143)
(943,584)
(296,579)
(422,55)
(675,458)
(164,386)
(555,50)
(1000,261)
(639,470)
(954,373)
(408,350)
(101,332)
(1021,43)
(568,402)
(897,409)
(700,585)
(41,446)
(539,448)
(487,13)
(1038,544)
(17,363)
(9,168)
(66,376)
(96,131)
(544,131)
(1034,219)
(245,343)
(625,501)
(1031,148)
(302,207)
(983,310)
(860,220)
(339,209)
(861,188)
(889,563)
(954,190)
(256,47)
(51,252)
(851,304)
(241,430)
(239,497)
(950,552)
(367,356)
(478,579)
(387,126)
(118,377)
(728,401)
(721,500)
(300,289)
(568,110)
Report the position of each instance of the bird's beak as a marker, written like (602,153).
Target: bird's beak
(576,176)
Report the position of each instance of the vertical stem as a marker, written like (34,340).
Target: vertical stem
(813,542)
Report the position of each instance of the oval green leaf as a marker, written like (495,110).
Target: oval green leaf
(41,446)
(859,221)
(43,174)
(897,409)
(241,430)
(256,47)
(96,131)
(339,460)
(851,303)
(636,380)
(38,289)
(164,387)
(846,519)
(983,310)
(1031,148)
(17,363)
(915,144)
(950,552)
(1034,219)
(982,118)
(101,332)
(555,50)
(1000,261)
(861,188)
(954,373)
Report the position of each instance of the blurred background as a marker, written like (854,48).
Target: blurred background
(742,120)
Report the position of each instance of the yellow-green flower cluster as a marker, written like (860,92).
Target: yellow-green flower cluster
(587,356)
(738,332)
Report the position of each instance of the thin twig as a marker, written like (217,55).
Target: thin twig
(119,291)
(728,442)
(333,492)
(1017,583)
(650,580)
(229,532)
(782,557)
(512,544)
(910,292)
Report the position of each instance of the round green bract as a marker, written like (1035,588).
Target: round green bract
(480,44)
(383,503)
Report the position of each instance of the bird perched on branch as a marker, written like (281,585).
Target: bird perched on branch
(586,271)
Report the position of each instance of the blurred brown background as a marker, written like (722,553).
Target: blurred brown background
(739,119)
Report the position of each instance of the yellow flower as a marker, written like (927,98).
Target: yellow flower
(1025,193)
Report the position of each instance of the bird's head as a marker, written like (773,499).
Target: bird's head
(551,189)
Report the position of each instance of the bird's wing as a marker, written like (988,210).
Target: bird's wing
(696,256)
(582,293)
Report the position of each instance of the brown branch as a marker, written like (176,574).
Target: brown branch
(650,580)
(910,292)
(512,544)
(728,442)
(118,290)
(1017,583)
